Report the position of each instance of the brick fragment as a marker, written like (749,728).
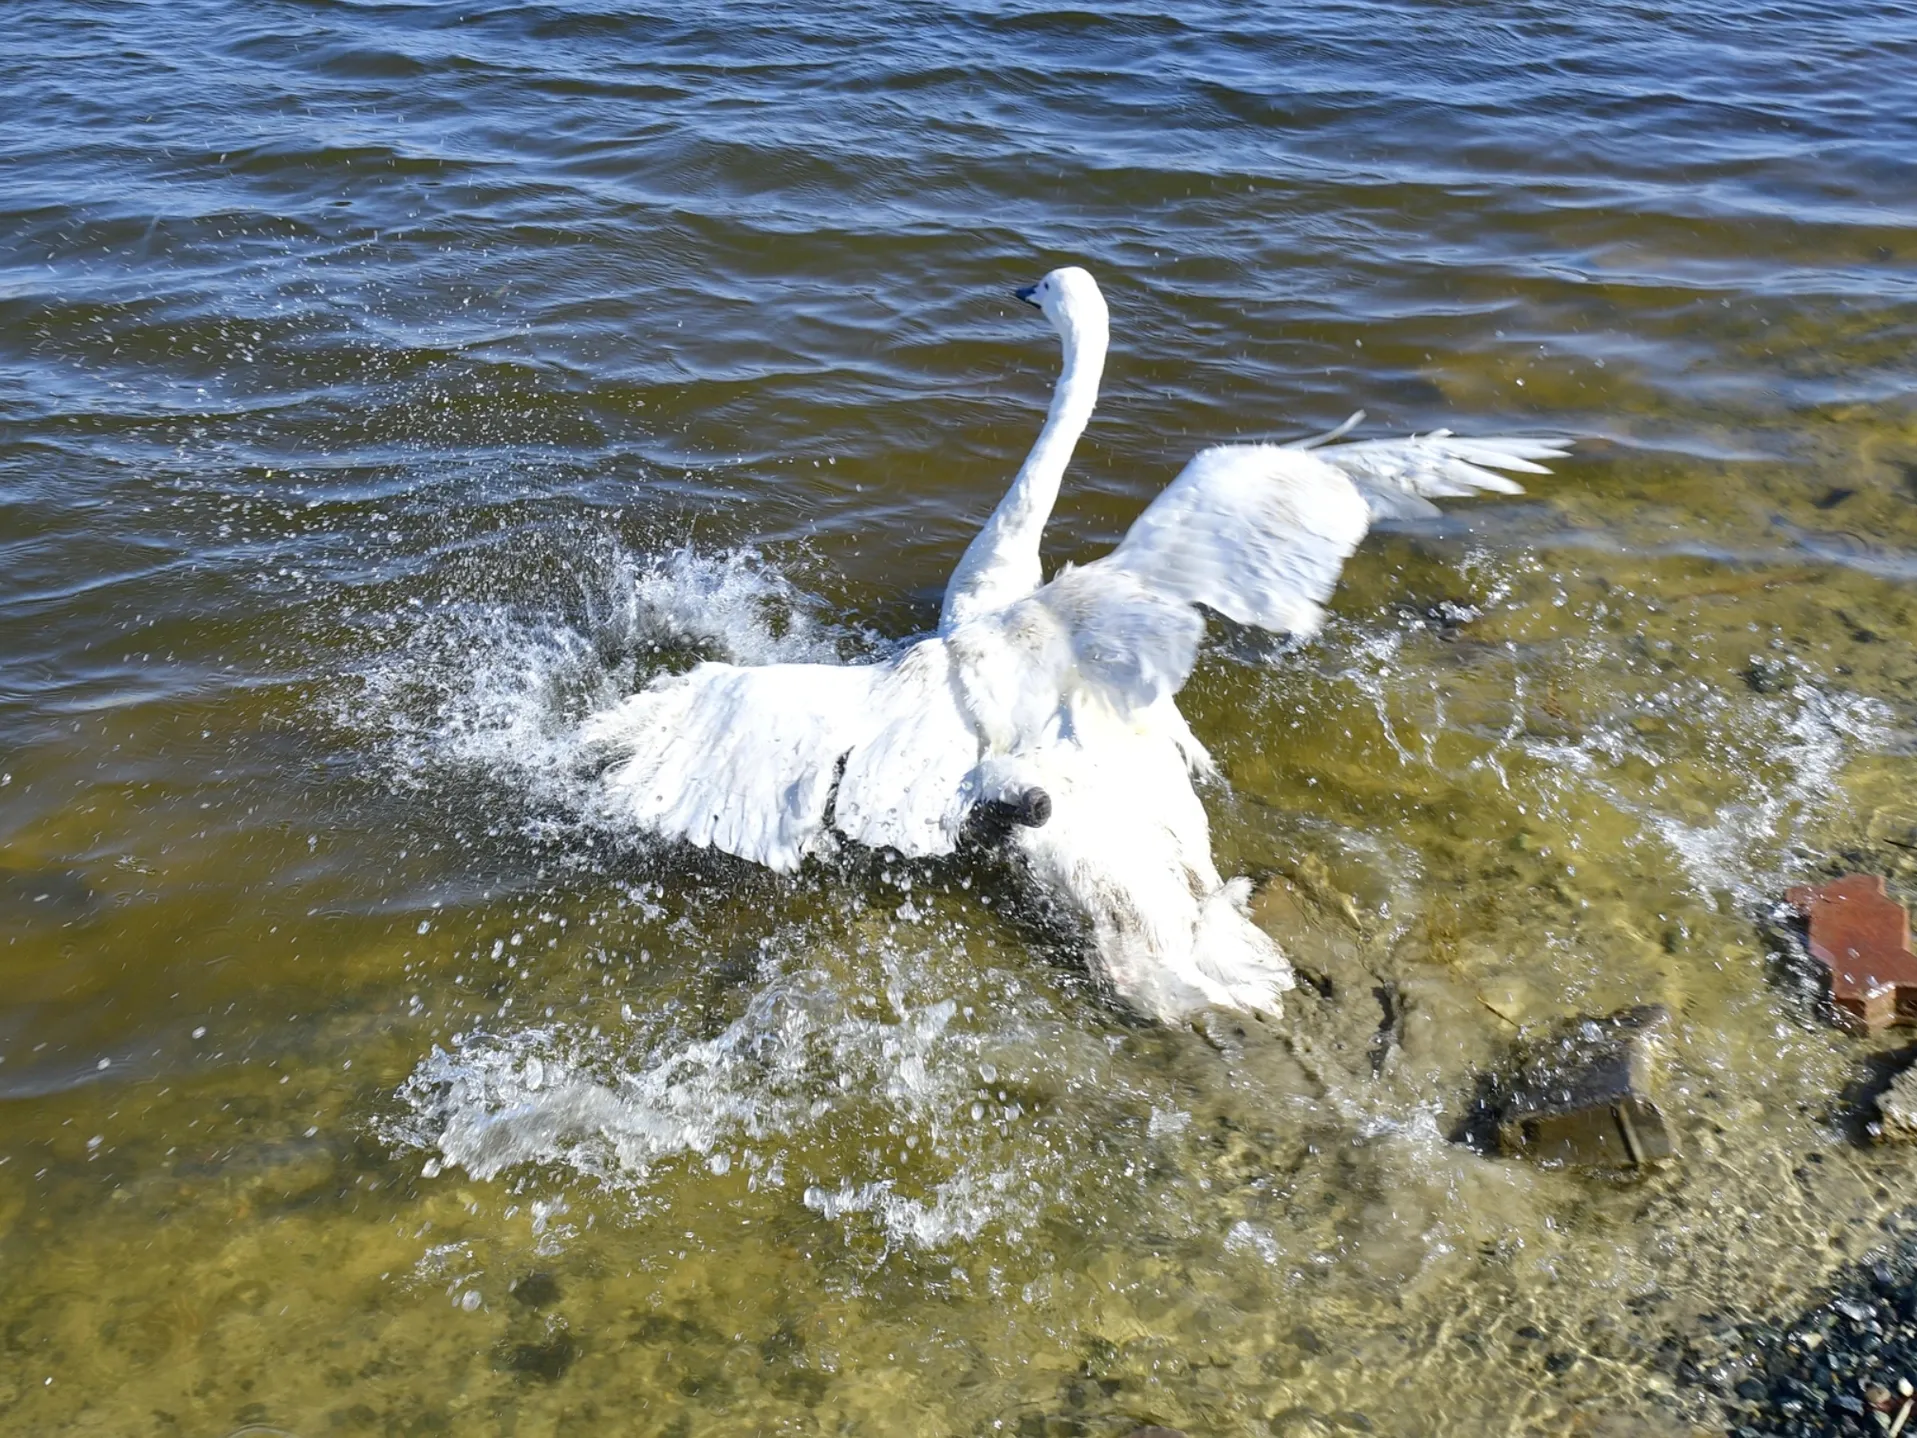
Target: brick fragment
(1861,936)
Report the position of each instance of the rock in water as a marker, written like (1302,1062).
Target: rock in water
(1897,1109)
(537,1289)
(1583,1096)
(1862,936)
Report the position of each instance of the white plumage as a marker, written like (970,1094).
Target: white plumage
(1065,688)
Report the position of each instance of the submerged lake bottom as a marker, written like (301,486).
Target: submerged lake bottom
(557,1130)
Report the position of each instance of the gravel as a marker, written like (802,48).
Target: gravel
(1847,1366)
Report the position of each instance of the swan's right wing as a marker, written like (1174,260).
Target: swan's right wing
(766,761)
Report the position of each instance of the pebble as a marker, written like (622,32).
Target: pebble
(1897,1109)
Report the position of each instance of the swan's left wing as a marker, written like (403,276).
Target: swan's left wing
(1257,532)
(767,761)
(1400,477)
(1260,532)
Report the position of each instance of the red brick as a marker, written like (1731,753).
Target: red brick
(1862,936)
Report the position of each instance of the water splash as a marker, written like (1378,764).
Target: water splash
(1734,785)
(766,1102)
(497,693)
(547,1095)
(959,1210)
(1793,753)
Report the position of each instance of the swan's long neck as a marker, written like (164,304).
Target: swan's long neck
(1000,565)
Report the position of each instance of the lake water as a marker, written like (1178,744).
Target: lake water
(383,386)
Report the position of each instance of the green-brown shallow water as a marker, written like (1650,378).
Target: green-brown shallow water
(382,386)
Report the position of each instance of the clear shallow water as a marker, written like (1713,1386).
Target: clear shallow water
(383,386)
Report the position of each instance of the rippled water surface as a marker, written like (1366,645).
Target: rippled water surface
(383,387)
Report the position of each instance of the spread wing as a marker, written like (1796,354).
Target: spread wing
(1400,477)
(1258,533)
(767,761)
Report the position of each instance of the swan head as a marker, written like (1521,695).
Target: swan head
(1071,300)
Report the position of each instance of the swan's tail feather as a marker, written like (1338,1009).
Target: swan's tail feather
(1173,967)
(1237,955)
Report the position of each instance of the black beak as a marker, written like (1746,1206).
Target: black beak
(1029,295)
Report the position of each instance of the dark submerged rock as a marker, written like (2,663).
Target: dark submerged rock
(548,1361)
(537,1289)
(1582,1096)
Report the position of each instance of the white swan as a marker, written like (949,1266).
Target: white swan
(1048,707)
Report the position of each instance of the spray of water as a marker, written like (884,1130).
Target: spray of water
(496,692)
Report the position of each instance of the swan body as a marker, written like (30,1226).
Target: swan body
(1052,703)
